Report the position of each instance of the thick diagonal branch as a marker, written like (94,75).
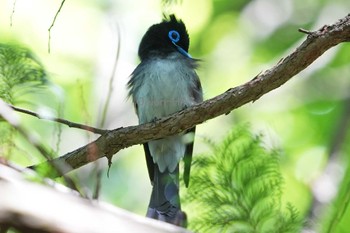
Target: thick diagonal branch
(113,141)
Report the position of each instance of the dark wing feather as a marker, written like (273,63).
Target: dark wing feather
(188,157)
(197,95)
(149,161)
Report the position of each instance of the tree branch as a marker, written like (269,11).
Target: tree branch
(113,141)
(52,24)
(27,211)
(60,120)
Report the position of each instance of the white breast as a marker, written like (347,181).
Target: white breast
(165,90)
(164,87)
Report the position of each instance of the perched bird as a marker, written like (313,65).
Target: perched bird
(163,83)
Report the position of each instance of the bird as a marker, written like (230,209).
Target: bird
(163,83)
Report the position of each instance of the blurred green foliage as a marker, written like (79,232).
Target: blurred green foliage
(20,73)
(237,187)
(235,40)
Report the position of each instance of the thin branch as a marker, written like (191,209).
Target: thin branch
(62,121)
(46,154)
(339,138)
(58,128)
(53,23)
(7,114)
(13,12)
(111,81)
(305,31)
(98,185)
(113,141)
(105,109)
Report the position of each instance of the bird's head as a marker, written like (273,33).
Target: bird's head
(164,38)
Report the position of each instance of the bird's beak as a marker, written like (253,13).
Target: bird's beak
(182,51)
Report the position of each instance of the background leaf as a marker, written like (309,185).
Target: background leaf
(20,73)
(238,188)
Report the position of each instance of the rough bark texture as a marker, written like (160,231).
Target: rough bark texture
(113,141)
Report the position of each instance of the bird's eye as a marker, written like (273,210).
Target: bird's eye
(174,36)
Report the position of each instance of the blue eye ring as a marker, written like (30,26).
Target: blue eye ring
(174,36)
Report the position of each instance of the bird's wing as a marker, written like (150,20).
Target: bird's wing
(188,157)
(149,161)
(197,96)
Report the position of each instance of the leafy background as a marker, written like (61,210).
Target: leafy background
(307,118)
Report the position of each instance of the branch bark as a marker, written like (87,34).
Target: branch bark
(55,209)
(113,141)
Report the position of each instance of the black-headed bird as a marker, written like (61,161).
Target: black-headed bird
(163,83)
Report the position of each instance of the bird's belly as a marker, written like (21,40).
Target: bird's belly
(159,100)
(157,108)
(167,152)
(162,99)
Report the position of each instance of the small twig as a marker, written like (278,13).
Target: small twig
(62,121)
(111,81)
(53,23)
(96,194)
(104,112)
(305,31)
(13,12)
(58,127)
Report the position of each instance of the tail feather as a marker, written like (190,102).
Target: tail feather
(165,200)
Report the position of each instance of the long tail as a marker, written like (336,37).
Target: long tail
(165,200)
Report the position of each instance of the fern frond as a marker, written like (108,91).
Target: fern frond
(238,188)
(20,72)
